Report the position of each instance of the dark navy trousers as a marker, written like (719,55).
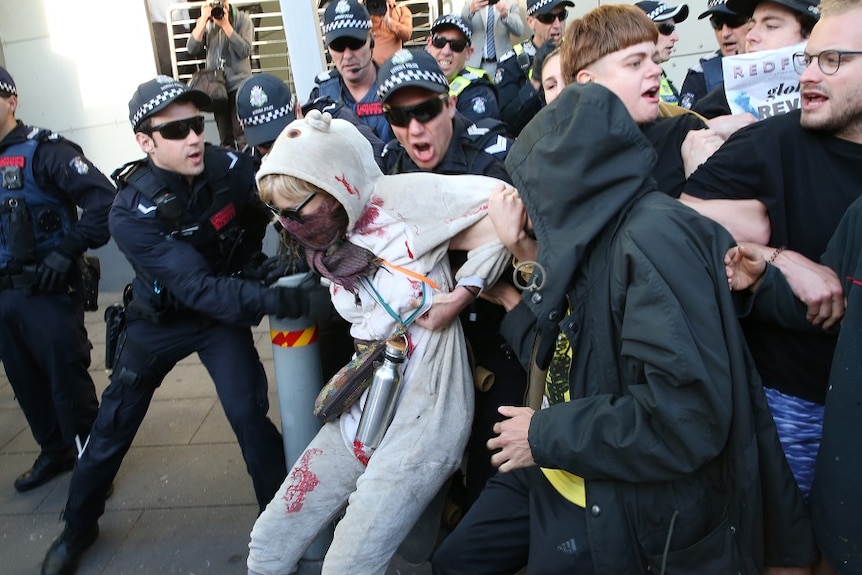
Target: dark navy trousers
(148,353)
(46,354)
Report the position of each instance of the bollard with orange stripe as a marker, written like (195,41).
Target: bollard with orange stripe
(298,338)
(298,378)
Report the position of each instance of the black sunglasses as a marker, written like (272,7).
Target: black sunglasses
(666,28)
(340,44)
(292,213)
(178,129)
(718,22)
(551,16)
(422,112)
(440,42)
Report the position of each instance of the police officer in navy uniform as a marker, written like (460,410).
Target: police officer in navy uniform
(43,341)
(473,89)
(188,219)
(433,137)
(517,82)
(353,82)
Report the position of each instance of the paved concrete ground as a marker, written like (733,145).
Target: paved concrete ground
(183,503)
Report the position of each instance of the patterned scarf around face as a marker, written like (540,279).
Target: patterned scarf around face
(321,234)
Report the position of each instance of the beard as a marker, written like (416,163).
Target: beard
(844,118)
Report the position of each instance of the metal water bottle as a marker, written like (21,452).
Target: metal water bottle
(382,395)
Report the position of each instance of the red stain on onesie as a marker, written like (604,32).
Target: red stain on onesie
(359,452)
(303,482)
(347,185)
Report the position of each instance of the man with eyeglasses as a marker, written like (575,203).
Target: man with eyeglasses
(353,83)
(519,90)
(188,219)
(44,349)
(433,137)
(805,167)
(666,19)
(730,29)
(472,88)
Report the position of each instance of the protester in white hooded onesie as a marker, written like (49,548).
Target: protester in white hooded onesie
(391,246)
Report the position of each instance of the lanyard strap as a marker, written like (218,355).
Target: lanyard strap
(410,273)
(402,323)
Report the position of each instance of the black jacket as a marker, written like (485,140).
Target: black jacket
(193,267)
(668,423)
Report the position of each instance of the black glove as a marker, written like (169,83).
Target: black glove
(267,270)
(251,270)
(52,272)
(308,299)
(322,104)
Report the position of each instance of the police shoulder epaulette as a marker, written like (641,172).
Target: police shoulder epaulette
(122,174)
(506,56)
(529,47)
(42,135)
(326,75)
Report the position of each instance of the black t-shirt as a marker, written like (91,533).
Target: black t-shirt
(714,104)
(807,180)
(666,136)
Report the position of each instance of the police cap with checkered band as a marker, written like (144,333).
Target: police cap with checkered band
(7,84)
(346,18)
(410,68)
(264,106)
(159,93)
(453,21)
(540,7)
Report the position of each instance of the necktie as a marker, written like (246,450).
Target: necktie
(490,51)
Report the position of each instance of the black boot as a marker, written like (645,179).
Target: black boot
(66,550)
(46,467)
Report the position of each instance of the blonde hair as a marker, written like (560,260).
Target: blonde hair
(552,54)
(602,31)
(282,185)
(836,7)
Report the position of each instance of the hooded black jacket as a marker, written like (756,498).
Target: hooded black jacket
(668,423)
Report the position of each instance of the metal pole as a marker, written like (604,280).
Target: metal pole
(298,376)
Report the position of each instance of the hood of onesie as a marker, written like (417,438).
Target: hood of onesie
(334,156)
(329,153)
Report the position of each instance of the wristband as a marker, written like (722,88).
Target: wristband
(775,254)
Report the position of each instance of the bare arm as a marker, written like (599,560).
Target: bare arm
(506,211)
(746,220)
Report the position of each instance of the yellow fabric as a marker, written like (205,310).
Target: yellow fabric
(666,93)
(666,110)
(465,78)
(569,485)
